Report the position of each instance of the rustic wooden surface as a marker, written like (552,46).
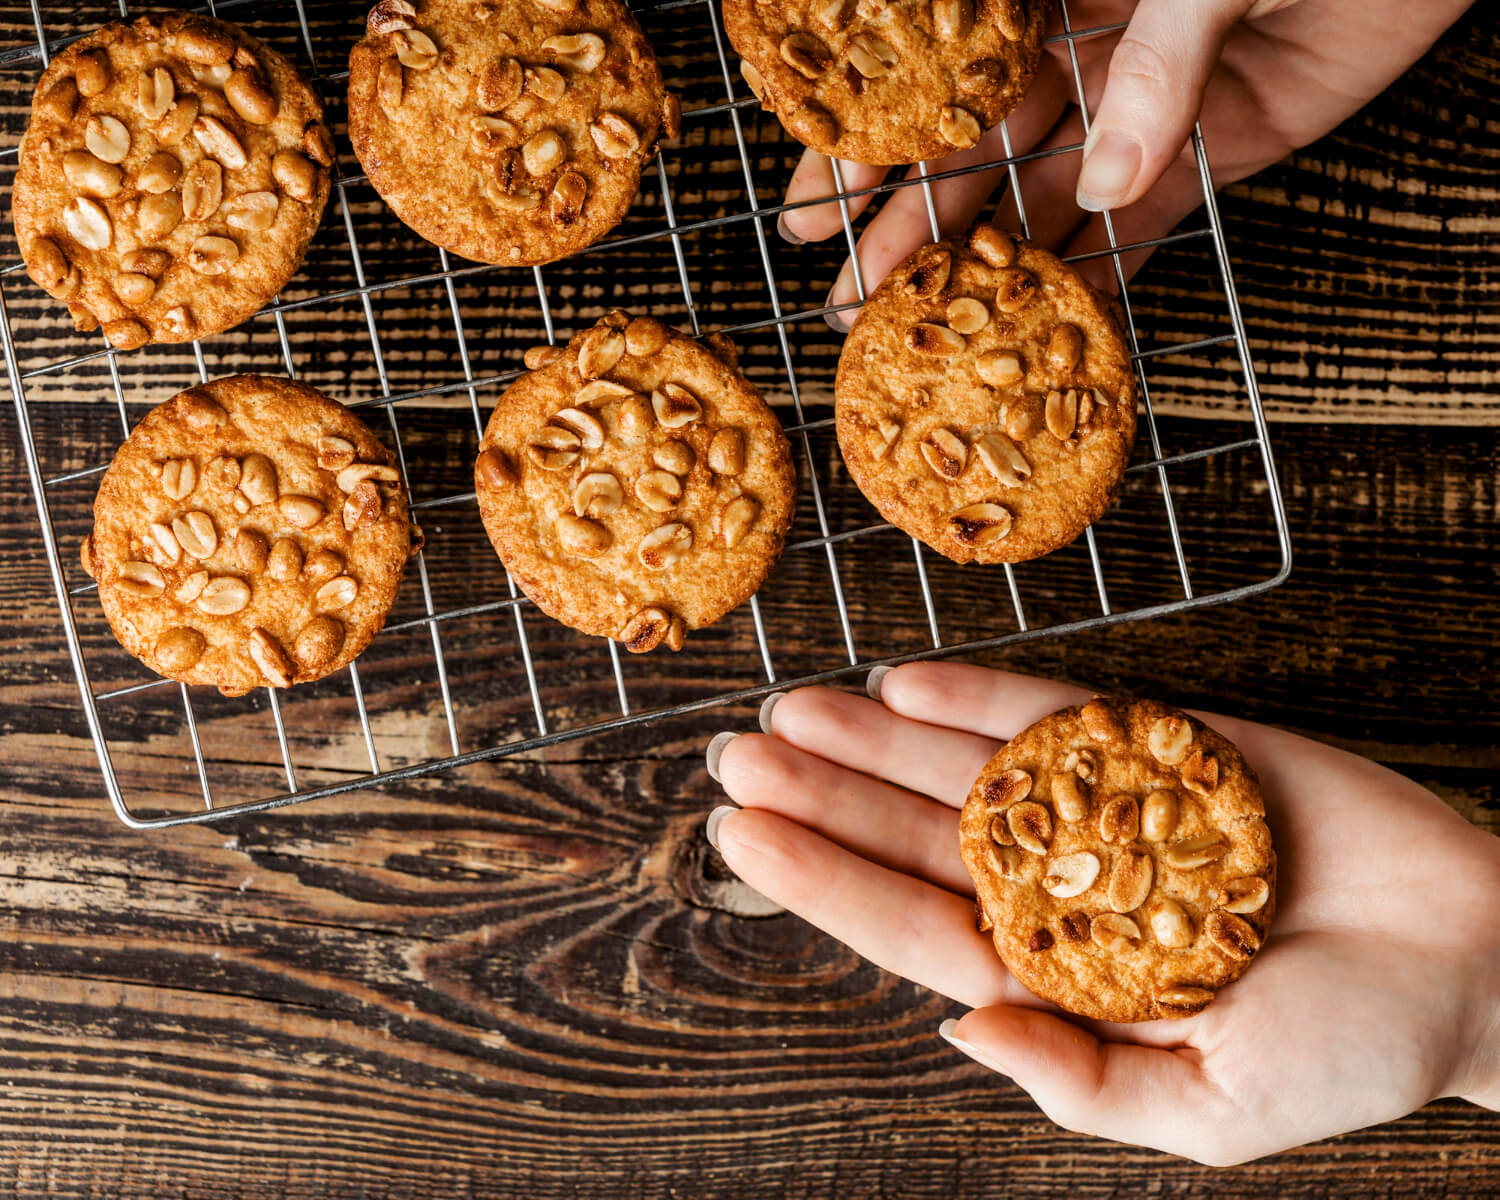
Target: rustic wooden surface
(533,978)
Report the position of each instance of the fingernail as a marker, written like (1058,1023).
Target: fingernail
(945,1031)
(1111,161)
(715,752)
(843,291)
(715,819)
(874,679)
(765,710)
(786,234)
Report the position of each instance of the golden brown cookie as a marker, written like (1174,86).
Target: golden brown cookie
(249,533)
(511,133)
(888,81)
(1121,854)
(986,399)
(172,174)
(635,484)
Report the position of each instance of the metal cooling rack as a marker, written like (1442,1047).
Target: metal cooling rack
(814,490)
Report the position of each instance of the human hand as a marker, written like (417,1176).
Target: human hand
(1378,989)
(1264,77)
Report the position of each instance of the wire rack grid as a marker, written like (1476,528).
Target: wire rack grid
(826,542)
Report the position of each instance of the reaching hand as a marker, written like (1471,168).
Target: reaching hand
(1378,989)
(1264,76)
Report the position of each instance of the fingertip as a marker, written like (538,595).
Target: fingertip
(767,707)
(814,179)
(754,845)
(715,823)
(713,756)
(844,297)
(1033,1047)
(1111,169)
(950,1033)
(731,757)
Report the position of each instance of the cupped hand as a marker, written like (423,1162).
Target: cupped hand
(1378,988)
(1264,76)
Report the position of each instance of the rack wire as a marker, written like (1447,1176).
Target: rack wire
(821,555)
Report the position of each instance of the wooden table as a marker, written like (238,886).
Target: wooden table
(533,978)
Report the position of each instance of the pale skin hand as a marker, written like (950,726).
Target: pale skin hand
(1266,76)
(1377,991)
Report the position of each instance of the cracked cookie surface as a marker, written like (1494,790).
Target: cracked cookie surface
(986,399)
(635,484)
(511,133)
(888,81)
(249,533)
(1121,857)
(172,174)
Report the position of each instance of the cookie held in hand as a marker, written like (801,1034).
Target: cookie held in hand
(986,399)
(634,483)
(1120,854)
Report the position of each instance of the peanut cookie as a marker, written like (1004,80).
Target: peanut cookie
(888,81)
(511,133)
(634,483)
(1120,853)
(172,174)
(249,533)
(986,399)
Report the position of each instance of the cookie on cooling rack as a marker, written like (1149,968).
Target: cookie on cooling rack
(508,133)
(635,484)
(250,532)
(888,81)
(172,174)
(1120,852)
(986,399)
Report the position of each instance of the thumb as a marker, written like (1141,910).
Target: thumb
(1129,1093)
(1157,76)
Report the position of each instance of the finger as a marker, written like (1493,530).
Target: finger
(814,178)
(933,759)
(1157,76)
(976,700)
(882,824)
(1154,216)
(1046,189)
(1134,1094)
(999,704)
(904,223)
(899,923)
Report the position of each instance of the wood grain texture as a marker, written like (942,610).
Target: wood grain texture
(534,978)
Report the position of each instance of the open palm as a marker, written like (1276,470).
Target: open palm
(1376,992)
(1266,77)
